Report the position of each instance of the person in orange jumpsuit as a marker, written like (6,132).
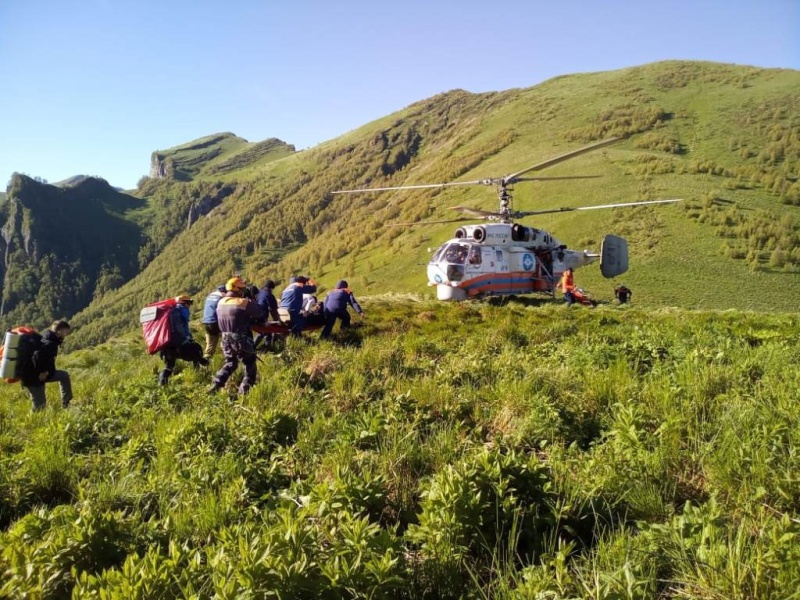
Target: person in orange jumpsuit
(567,285)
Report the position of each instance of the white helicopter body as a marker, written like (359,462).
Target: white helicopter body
(504,257)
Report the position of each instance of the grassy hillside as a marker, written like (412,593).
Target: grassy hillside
(722,137)
(438,451)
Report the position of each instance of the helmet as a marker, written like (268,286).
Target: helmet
(183,299)
(235,284)
(341,284)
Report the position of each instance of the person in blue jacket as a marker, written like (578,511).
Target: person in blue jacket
(336,303)
(182,345)
(267,301)
(292,301)
(210,325)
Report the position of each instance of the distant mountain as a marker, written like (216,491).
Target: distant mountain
(77,179)
(68,243)
(214,155)
(723,137)
(63,247)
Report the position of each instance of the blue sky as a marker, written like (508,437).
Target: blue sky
(94,86)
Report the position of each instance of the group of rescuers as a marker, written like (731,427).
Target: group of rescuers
(231,310)
(229,313)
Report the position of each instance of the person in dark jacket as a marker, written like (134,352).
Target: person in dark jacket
(235,315)
(336,303)
(181,345)
(43,370)
(267,301)
(292,301)
(210,320)
(623,293)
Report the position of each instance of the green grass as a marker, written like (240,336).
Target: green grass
(437,451)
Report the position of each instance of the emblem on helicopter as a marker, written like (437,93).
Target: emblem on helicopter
(527,262)
(504,257)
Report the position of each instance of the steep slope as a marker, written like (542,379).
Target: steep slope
(723,137)
(63,247)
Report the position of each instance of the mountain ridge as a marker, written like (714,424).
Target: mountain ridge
(720,136)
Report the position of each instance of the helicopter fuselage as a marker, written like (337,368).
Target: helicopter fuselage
(501,258)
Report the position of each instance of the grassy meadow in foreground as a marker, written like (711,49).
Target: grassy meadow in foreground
(437,451)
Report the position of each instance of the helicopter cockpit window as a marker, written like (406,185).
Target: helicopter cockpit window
(474,257)
(456,254)
(438,254)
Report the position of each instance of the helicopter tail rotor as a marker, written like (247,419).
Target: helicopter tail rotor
(613,256)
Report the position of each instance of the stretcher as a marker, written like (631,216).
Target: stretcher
(582,297)
(271,331)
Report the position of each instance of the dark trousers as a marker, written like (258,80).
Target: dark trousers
(38,392)
(298,322)
(330,321)
(190,352)
(569,297)
(237,347)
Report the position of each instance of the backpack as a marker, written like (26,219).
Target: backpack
(155,320)
(16,353)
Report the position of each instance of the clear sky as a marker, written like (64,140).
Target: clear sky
(94,86)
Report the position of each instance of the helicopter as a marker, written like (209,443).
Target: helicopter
(502,257)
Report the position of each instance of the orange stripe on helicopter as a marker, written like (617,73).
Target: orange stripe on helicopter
(515,281)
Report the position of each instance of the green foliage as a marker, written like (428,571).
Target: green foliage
(437,451)
(759,237)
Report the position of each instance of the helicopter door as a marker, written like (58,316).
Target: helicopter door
(613,256)
(500,263)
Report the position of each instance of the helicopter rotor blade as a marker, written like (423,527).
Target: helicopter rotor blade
(546,211)
(474,211)
(410,187)
(516,179)
(554,161)
(414,223)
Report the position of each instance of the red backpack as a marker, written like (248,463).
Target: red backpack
(155,324)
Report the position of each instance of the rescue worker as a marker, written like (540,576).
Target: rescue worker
(181,345)
(43,370)
(292,301)
(210,320)
(235,314)
(622,293)
(567,285)
(267,301)
(336,307)
(269,304)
